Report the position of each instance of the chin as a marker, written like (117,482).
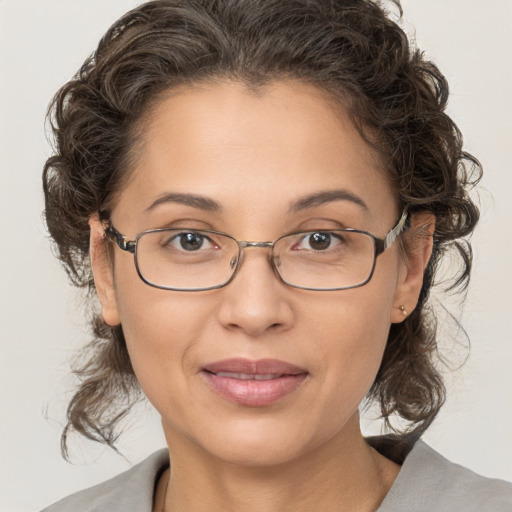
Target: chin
(262,443)
(263,452)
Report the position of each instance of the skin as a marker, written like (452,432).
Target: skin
(255,154)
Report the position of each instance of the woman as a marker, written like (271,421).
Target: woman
(260,194)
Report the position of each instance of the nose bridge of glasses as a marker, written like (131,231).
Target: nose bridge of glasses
(258,245)
(235,264)
(263,245)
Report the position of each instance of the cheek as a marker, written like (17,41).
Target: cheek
(161,329)
(350,333)
(355,336)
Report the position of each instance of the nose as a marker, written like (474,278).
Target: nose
(256,301)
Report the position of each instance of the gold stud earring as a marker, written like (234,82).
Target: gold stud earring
(403,310)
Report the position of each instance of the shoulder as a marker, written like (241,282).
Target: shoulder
(129,491)
(429,482)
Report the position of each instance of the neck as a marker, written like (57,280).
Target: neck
(343,474)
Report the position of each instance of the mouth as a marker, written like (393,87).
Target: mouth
(254,383)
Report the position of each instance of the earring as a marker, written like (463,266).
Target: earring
(403,310)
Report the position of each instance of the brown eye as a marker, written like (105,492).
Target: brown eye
(319,241)
(191,241)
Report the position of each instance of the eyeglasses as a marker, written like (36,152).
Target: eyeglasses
(192,260)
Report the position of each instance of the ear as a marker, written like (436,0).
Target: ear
(419,249)
(103,272)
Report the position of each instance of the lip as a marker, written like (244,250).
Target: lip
(254,383)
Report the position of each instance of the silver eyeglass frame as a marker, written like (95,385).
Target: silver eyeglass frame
(380,245)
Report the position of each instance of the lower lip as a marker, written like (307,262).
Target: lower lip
(255,393)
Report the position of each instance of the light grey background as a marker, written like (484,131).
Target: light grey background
(42,43)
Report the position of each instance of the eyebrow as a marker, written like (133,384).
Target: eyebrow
(324,197)
(193,200)
(309,201)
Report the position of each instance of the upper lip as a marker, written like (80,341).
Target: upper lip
(255,367)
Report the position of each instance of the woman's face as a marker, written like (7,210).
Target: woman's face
(255,155)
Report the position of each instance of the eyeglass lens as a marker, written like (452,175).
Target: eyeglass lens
(197,260)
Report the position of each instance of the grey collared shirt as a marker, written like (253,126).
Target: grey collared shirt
(427,482)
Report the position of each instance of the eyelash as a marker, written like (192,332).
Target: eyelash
(332,238)
(179,239)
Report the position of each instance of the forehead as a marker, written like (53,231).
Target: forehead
(241,147)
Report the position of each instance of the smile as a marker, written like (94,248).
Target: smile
(254,383)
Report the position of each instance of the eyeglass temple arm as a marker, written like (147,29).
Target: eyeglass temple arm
(383,243)
(390,238)
(121,241)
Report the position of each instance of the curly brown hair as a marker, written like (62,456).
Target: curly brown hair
(350,48)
